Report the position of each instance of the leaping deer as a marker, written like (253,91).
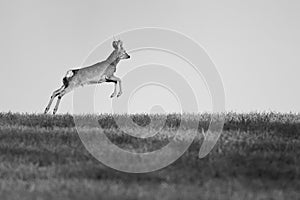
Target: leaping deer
(94,74)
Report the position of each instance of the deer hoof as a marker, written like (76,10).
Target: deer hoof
(119,94)
(112,95)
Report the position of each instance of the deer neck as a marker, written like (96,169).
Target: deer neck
(113,58)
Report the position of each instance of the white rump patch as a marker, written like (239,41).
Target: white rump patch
(69,74)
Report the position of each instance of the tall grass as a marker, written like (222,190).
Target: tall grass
(256,157)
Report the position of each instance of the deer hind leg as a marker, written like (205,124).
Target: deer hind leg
(60,95)
(54,94)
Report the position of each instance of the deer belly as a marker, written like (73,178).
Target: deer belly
(85,78)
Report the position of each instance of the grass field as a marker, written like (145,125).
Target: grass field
(257,157)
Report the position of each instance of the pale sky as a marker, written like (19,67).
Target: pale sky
(255,46)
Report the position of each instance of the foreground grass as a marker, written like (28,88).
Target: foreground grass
(257,157)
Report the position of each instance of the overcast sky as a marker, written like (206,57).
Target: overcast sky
(254,44)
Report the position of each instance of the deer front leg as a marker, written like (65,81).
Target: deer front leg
(116,80)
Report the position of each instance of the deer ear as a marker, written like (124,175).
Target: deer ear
(115,44)
(120,43)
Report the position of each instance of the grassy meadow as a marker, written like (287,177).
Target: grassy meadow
(257,157)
